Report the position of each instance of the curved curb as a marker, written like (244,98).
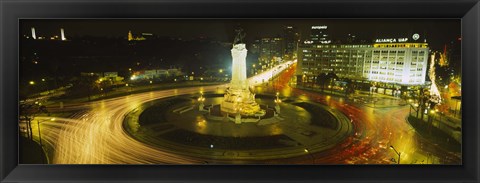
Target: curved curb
(344,130)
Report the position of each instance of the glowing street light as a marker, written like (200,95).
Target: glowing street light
(31,82)
(311,156)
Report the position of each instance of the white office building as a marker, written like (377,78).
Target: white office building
(394,61)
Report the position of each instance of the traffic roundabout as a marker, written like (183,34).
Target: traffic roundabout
(192,125)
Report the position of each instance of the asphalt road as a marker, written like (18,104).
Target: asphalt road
(96,136)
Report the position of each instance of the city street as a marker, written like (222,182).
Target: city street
(95,134)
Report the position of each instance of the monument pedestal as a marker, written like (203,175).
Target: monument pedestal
(238,99)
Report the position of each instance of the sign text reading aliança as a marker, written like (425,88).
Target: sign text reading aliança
(392,40)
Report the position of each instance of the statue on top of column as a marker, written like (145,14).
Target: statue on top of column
(239,37)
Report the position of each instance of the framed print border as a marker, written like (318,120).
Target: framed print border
(11,11)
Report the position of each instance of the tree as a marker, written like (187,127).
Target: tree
(322,80)
(28,111)
(105,85)
(423,98)
(331,77)
(84,85)
(350,87)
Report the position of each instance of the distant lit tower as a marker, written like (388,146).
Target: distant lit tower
(130,36)
(33,33)
(62,32)
(290,37)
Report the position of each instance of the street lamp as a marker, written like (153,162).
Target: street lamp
(201,99)
(310,154)
(398,153)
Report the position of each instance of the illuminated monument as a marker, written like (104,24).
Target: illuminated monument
(34,36)
(62,33)
(238,99)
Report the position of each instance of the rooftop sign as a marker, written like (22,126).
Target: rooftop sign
(391,40)
(319,27)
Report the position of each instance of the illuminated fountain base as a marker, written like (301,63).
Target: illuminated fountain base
(241,104)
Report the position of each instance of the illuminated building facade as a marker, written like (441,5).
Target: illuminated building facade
(271,51)
(393,61)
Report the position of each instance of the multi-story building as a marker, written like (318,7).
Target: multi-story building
(398,62)
(270,51)
(319,35)
(291,37)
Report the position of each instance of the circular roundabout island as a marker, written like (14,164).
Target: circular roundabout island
(195,126)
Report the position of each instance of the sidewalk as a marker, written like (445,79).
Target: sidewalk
(434,135)
(30,152)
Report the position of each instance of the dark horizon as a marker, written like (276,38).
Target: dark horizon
(437,31)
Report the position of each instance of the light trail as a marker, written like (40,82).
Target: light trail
(96,135)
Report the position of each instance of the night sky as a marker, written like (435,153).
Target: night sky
(437,31)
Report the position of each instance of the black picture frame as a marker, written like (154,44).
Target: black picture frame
(11,11)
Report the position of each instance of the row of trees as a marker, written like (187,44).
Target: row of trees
(425,102)
(328,79)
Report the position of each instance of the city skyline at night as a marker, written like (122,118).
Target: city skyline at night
(436,31)
(240,91)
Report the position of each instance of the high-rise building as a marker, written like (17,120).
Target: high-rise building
(319,35)
(391,61)
(291,37)
(271,51)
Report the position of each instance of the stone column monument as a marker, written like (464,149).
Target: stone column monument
(238,99)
